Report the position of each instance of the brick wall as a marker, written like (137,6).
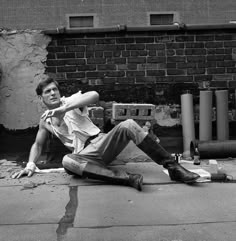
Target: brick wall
(144,67)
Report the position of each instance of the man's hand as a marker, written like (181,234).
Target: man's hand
(58,112)
(22,173)
(29,171)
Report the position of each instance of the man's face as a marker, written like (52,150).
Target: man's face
(51,96)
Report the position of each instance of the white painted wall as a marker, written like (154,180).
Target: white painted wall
(44,14)
(22,57)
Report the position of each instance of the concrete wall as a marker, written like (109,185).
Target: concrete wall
(21,60)
(46,14)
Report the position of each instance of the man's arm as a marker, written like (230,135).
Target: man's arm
(35,152)
(75,101)
(80,100)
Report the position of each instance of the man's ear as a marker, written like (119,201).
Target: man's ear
(40,98)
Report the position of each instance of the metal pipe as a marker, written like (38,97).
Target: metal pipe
(222,118)
(119,28)
(205,122)
(210,26)
(63,30)
(214,149)
(187,121)
(153,28)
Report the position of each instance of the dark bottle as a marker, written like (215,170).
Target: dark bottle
(196,157)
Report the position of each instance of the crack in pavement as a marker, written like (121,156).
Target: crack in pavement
(67,221)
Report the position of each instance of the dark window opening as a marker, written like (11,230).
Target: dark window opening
(81,21)
(161,19)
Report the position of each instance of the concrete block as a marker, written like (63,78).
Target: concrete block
(213,166)
(133,111)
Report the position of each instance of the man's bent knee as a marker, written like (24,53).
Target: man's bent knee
(136,131)
(128,123)
(74,164)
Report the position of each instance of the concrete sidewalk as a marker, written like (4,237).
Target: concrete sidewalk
(62,207)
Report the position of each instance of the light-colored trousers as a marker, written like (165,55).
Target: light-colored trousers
(103,149)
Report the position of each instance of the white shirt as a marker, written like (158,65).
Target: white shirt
(75,128)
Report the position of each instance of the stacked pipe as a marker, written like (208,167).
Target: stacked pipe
(187,119)
(222,147)
(205,116)
(222,115)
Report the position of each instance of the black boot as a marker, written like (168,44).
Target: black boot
(99,172)
(159,155)
(179,173)
(113,176)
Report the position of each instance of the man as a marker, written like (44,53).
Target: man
(92,151)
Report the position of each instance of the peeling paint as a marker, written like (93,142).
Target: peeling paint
(168,115)
(21,59)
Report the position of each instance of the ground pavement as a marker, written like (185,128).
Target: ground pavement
(58,207)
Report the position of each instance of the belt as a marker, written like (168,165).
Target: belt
(88,141)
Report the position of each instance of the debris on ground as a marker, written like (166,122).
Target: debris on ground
(31,184)
(5,162)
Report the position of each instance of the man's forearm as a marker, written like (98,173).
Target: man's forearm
(35,153)
(75,101)
(85,99)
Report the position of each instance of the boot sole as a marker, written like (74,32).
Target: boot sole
(194,180)
(191,181)
(140,186)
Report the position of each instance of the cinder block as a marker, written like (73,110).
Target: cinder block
(133,111)
(213,166)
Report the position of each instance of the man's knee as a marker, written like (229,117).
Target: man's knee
(73,164)
(67,159)
(128,123)
(131,125)
(134,130)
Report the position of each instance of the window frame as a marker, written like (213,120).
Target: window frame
(176,18)
(95,19)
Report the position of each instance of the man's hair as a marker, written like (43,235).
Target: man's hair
(42,84)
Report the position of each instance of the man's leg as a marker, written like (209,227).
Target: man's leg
(104,150)
(81,166)
(92,161)
(111,144)
(158,154)
(116,140)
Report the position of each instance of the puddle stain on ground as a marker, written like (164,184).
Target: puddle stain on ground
(67,221)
